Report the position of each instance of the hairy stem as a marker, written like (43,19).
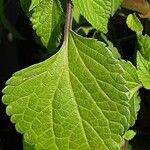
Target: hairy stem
(68,23)
(125,146)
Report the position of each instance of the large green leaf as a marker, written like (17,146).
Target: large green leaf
(77,99)
(131,77)
(97,12)
(47,19)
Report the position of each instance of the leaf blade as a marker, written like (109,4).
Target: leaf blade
(97,12)
(46,19)
(115,5)
(90,111)
(143,70)
(134,24)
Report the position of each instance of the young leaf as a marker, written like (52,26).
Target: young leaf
(77,99)
(134,24)
(143,66)
(97,12)
(129,135)
(47,19)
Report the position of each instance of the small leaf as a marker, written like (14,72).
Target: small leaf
(47,19)
(77,99)
(134,24)
(143,66)
(129,135)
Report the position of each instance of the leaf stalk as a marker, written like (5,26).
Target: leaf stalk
(125,146)
(68,23)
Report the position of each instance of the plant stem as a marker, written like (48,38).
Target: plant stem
(68,23)
(125,146)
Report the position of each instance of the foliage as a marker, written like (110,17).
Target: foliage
(85,96)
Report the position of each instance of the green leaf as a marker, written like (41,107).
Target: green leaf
(143,70)
(110,45)
(47,19)
(144,46)
(135,107)
(129,135)
(115,5)
(76,15)
(77,99)
(133,83)
(143,60)
(97,12)
(129,147)
(34,3)
(134,24)
(27,146)
(131,77)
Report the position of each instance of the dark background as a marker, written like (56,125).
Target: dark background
(16,54)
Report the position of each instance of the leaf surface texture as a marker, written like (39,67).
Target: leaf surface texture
(143,60)
(97,12)
(75,100)
(46,19)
